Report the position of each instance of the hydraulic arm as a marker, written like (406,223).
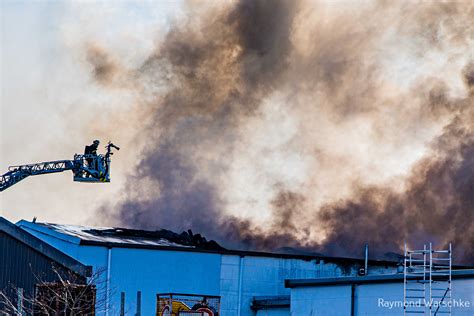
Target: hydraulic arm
(17,173)
(86,168)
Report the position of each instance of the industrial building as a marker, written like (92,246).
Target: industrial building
(26,261)
(147,272)
(138,265)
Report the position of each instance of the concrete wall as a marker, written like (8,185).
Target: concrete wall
(370,299)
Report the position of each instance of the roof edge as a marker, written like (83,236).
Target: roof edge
(370,279)
(241,253)
(48,231)
(44,248)
(307,257)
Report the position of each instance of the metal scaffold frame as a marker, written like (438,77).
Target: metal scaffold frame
(427,287)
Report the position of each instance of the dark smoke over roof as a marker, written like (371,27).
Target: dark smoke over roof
(217,71)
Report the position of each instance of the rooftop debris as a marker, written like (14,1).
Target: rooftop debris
(185,238)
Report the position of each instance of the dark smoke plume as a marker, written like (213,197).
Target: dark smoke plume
(103,67)
(215,72)
(218,74)
(437,204)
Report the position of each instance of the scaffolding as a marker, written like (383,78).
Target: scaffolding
(427,288)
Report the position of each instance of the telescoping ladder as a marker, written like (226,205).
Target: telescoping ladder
(427,281)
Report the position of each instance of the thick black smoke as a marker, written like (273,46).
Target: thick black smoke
(437,204)
(218,73)
(212,73)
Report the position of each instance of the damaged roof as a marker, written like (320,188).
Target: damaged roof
(167,240)
(134,237)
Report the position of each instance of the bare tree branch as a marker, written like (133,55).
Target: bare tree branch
(69,294)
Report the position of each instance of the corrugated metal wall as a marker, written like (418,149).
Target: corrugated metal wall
(21,266)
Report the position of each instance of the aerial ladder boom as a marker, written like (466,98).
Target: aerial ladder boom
(86,168)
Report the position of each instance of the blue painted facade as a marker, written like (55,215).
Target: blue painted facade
(369,299)
(273,312)
(237,278)
(257,276)
(130,270)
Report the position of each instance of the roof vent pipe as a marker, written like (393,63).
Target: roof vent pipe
(366,259)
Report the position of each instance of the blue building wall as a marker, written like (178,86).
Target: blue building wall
(265,276)
(153,272)
(145,270)
(257,276)
(273,312)
(237,279)
(370,299)
(324,301)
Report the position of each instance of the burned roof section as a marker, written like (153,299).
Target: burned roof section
(135,237)
(187,239)
(164,239)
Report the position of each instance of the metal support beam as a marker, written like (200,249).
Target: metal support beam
(122,304)
(139,303)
